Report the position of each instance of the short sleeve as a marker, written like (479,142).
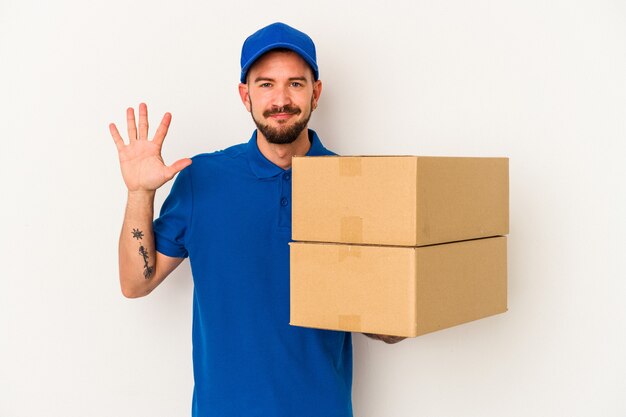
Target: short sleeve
(171,228)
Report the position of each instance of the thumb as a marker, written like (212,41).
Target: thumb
(176,167)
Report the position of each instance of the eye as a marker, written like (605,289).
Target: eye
(265,85)
(296,84)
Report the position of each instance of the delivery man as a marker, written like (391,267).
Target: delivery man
(230,213)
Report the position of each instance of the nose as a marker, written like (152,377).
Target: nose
(281,97)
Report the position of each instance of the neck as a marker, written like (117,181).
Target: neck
(281,154)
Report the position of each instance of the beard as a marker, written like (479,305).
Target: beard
(285,134)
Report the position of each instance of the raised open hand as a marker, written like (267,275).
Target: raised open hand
(143,168)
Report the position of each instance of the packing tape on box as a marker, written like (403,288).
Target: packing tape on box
(348,251)
(351,229)
(350,322)
(349,167)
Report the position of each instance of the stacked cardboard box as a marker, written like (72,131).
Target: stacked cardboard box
(398,245)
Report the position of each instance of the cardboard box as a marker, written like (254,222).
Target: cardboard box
(401,291)
(399,200)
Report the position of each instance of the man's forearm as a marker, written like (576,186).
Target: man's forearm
(137,254)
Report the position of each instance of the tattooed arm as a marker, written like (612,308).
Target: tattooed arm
(142,268)
(143,170)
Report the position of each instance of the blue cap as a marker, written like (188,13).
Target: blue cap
(277,35)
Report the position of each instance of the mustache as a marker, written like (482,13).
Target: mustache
(284,109)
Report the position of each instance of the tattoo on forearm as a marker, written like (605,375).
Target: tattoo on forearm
(147,269)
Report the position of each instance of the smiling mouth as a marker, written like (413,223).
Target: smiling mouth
(281,116)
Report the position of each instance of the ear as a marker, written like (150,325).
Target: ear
(244,93)
(317,91)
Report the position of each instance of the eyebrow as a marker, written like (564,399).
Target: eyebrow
(256,80)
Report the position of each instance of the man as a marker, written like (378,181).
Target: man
(230,212)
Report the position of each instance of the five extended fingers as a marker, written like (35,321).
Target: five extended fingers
(140,151)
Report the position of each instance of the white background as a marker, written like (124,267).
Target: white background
(542,82)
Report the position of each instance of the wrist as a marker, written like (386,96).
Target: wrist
(142,193)
(141,196)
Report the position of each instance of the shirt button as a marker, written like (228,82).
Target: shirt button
(283,201)
(287,177)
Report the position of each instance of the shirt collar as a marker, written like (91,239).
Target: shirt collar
(264,168)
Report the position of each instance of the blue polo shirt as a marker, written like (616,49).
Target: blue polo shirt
(230,212)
